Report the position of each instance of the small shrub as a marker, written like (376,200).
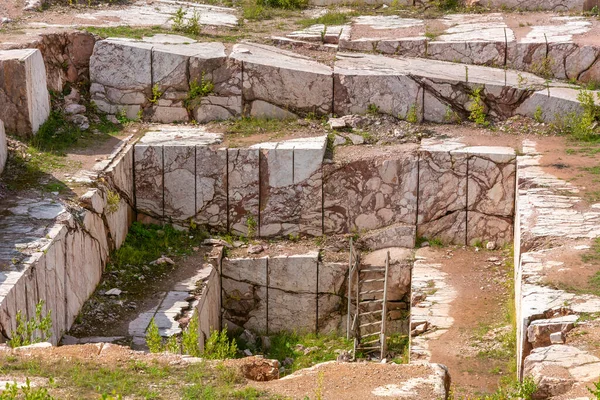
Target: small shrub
(153,338)
(156,94)
(112,201)
(190,26)
(412,115)
(284,4)
(197,91)
(477,109)
(219,347)
(373,109)
(172,345)
(189,338)
(252,226)
(27,331)
(595,391)
(447,5)
(538,116)
(12,391)
(581,126)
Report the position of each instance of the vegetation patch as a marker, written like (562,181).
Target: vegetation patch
(331,18)
(129,378)
(35,330)
(296,351)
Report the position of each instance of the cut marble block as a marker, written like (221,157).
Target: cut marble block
(165,170)
(3,147)
(297,311)
(211,187)
(331,310)
(294,274)
(243,190)
(149,182)
(24,98)
(367,80)
(377,188)
(275,82)
(244,292)
(555,103)
(468,52)
(442,192)
(121,75)
(491,194)
(436,89)
(291,187)
(491,186)
(179,182)
(177,67)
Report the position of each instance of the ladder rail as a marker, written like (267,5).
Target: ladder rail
(350,270)
(384,313)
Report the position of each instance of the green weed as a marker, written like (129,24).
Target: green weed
(477,108)
(219,347)
(12,391)
(153,338)
(189,338)
(197,91)
(35,330)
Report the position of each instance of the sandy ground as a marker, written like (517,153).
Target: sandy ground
(479,307)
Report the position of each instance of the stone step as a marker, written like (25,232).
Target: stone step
(274,84)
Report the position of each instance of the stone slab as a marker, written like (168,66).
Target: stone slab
(179,182)
(371,192)
(211,187)
(297,311)
(24,98)
(149,182)
(442,193)
(294,274)
(243,190)
(291,187)
(280,78)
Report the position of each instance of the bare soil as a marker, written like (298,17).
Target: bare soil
(478,309)
(586,336)
(351,381)
(574,274)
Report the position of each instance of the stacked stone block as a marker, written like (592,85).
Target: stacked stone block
(24,98)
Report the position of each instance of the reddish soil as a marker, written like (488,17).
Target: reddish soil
(479,306)
(348,381)
(574,275)
(586,336)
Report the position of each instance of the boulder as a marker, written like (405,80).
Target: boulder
(259,369)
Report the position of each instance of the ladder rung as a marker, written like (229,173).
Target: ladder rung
(371,312)
(373,280)
(370,301)
(371,291)
(369,348)
(369,324)
(371,342)
(370,334)
(372,270)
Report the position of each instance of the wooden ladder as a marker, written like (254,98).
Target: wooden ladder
(367,305)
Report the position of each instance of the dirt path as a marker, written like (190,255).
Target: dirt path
(471,347)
